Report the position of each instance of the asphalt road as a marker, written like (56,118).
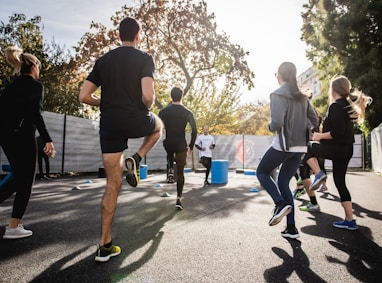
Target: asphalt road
(222,235)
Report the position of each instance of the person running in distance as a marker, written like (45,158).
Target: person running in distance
(175,119)
(205,143)
(126,77)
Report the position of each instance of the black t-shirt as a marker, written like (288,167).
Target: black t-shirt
(119,73)
(175,118)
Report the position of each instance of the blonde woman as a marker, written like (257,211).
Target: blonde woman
(337,138)
(20,115)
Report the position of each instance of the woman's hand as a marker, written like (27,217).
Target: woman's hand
(49,149)
(316,136)
(321,136)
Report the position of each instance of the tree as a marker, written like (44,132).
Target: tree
(61,82)
(254,119)
(23,33)
(188,52)
(344,36)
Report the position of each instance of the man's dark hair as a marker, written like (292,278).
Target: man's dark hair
(176,94)
(128,29)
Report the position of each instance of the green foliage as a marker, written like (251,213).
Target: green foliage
(61,82)
(344,37)
(254,119)
(22,33)
(187,49)
(188,53)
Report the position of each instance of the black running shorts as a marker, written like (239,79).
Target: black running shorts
(112,142)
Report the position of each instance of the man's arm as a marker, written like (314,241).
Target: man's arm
(213,143)
(87,95)
(148,92)
(194,130)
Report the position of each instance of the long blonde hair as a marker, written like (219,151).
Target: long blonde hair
(358,101)
(19,61)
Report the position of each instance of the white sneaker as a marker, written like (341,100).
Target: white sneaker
(311,207)
(16,233)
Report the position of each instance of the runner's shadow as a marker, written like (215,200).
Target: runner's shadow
(358,210)
(298,262)
(364,255)
(81,267)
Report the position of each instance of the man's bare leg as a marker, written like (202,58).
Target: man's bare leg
(151,140)
(113,164)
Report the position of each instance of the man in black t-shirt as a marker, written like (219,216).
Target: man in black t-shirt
(126,78)
(175,119)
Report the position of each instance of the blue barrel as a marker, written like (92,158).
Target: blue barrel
(219,172)
(143,171)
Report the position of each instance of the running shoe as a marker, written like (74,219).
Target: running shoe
(310,207)
(281,210)
(290,232)
(350,225)
(323,189)
(170,176)
(132,177)
(179,205)
(318,180)
(104,254)
(16,233)
(297,193)
(206,183)
(299,182)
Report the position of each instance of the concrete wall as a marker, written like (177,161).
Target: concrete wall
(78,149)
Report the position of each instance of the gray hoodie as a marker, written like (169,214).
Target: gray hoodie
(291,119)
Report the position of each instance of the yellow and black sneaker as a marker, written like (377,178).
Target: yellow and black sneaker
(132,177)
(104,254)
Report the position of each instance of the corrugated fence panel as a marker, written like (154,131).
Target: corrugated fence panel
(376,148)
(82,149)
(357,160)
(255,147)
(83,153)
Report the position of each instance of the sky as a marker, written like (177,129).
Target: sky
(269,30)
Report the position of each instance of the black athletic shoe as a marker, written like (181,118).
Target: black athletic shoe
(132,177)
(290,232)
(179,204)
(279,212)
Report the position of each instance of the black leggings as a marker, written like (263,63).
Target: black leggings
(340,156)
(206,161)
(177,151)
(20,149)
